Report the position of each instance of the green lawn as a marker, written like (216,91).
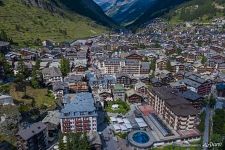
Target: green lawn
(41,96)
(26,24)
(123,107)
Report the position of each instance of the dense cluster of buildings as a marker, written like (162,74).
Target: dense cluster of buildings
(169,68)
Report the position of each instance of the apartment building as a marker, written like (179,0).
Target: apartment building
(174,109)
(117,65)
(34,137)
(197,84)
(130,67)
(79,113)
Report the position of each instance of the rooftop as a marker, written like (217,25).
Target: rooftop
(78,104)
(52,117)
(174,101)
(34,129)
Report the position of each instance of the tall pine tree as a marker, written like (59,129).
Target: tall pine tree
(64,66)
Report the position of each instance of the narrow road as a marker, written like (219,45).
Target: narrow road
(206,131)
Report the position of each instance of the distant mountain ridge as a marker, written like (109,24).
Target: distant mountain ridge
(136,12)
(124,11)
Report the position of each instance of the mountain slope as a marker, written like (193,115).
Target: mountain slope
(27,21)
(88,8)
(198,10)
(157,9)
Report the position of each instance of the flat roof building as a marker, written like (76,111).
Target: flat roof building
(174,109)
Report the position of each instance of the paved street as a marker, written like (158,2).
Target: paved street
(206,131)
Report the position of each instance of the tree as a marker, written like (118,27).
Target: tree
(74,141)
(218,122)
(61,142)
(3,36)
(212,101)
(69,141)
(84,142)
(179,51)
(204,59)
(168,66)
(5,68)
(22,72)
(153,65)
(21,76)
(64,66)
(35,83)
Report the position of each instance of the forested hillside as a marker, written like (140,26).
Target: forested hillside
(199,10)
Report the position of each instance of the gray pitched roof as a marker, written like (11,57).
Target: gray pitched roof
(34,129)
(52,71)
(190,95)
(52,117)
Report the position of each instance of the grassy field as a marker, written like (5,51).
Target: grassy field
(26,24)
(122,109)
(40,96)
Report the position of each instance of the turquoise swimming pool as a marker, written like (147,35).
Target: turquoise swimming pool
(141,137)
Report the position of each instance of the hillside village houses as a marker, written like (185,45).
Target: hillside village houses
(165,74)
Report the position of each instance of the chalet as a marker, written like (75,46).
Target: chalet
(59,89)
(126,80)
(79,65)
(179,75)
(76,83)
(165,76)
(180,59)
(203,69)
(161,63)
(141,88)
(105,94)
(176,66)
(133,96)
(71,54)
(101,81)
(51,75)
(135,56)
(189,56)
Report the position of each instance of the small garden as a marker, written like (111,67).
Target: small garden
(122,135)
(123,107)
